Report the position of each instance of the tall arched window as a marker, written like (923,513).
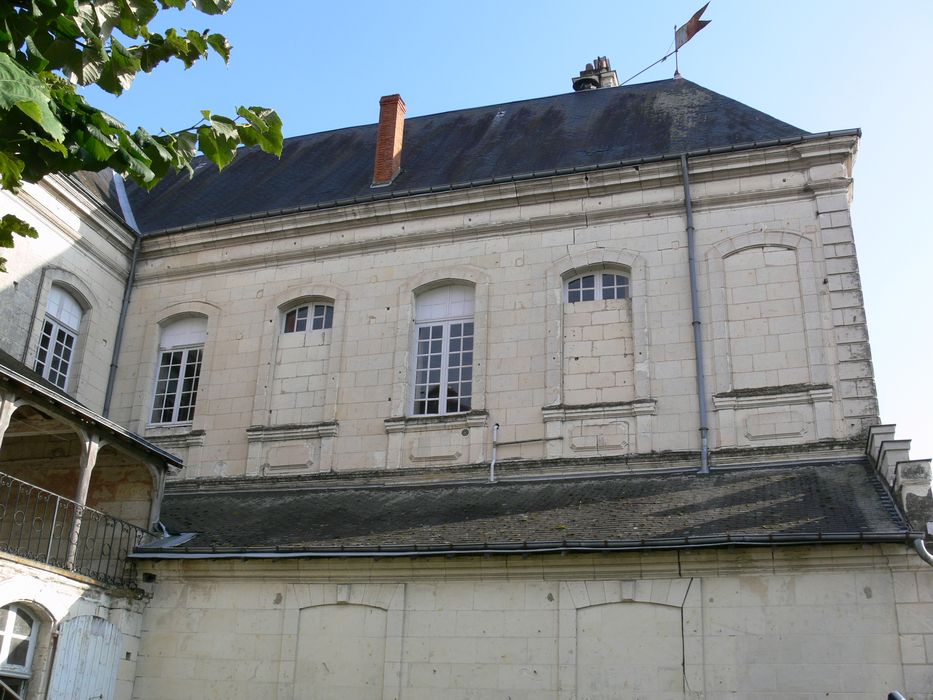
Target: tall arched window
(181,349)
(59,337)
(443,353)
(18,632)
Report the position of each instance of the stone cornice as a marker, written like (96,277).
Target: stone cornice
(427,219)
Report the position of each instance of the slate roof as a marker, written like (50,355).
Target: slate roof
(503,141)
(833,501)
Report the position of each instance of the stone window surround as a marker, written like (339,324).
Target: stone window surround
(571,266)
(294,296)
(72,284)
(402,388)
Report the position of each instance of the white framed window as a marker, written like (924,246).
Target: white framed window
(315,317)
(57,343)
(181,351)
(18,633)
(443,351)
(597,285)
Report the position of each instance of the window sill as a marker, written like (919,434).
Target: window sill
(413,424)
(174,436)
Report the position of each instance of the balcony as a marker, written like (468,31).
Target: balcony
(42,526)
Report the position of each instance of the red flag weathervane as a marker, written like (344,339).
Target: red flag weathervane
(693,25)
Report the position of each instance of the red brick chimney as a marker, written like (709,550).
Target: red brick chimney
(389,139)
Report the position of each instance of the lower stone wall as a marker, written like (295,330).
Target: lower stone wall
(843,621)
(95,629)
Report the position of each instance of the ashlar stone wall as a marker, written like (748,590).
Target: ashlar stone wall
(787,360)
(784,623)
(81,248)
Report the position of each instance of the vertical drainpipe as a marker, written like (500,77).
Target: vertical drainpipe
(697,334)
(127,291)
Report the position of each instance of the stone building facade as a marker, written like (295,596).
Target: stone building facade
(442,387)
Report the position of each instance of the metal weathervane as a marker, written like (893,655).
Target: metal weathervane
(682,35)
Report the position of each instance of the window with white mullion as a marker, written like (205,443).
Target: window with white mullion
(56,347)
(597,285)
(55,354)
(443,368)
(177,385)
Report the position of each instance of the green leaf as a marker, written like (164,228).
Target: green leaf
(11,171)
(118,73)
(9,225)
(219,43)
(21,89)
(212,7)
(217,149)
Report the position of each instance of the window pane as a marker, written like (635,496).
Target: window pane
(290,322)
(22,623)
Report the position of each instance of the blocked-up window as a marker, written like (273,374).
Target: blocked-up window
(443,351)
(18,632)
(57,343)
(181,351)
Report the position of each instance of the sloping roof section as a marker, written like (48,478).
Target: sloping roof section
(573,130)
(836,501)
(23,382)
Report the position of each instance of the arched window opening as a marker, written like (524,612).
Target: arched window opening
(18,633)
(443,372)
(60,328)
(313,317)
(181,350)
(597,285)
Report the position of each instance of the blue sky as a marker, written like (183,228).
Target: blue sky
(820,65)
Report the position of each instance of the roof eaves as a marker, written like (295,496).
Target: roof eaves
(543,547)
(518,177)
(70,405)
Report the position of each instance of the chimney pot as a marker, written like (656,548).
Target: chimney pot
(389,135)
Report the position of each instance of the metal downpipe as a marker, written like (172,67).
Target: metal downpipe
(697,330)
(127,292)
(921,547)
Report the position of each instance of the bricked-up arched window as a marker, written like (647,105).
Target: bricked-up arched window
(443,351)
(60,329)
(18,632)
(181,350)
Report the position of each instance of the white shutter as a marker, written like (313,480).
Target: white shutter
(86,660)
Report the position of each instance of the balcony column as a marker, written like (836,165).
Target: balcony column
(90,447)
(8,404)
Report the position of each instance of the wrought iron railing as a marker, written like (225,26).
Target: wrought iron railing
(45,527)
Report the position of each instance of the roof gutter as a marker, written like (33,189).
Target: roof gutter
(689,542)
(399,194)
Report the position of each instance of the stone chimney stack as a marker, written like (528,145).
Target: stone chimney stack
(598,74)
(389,139)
